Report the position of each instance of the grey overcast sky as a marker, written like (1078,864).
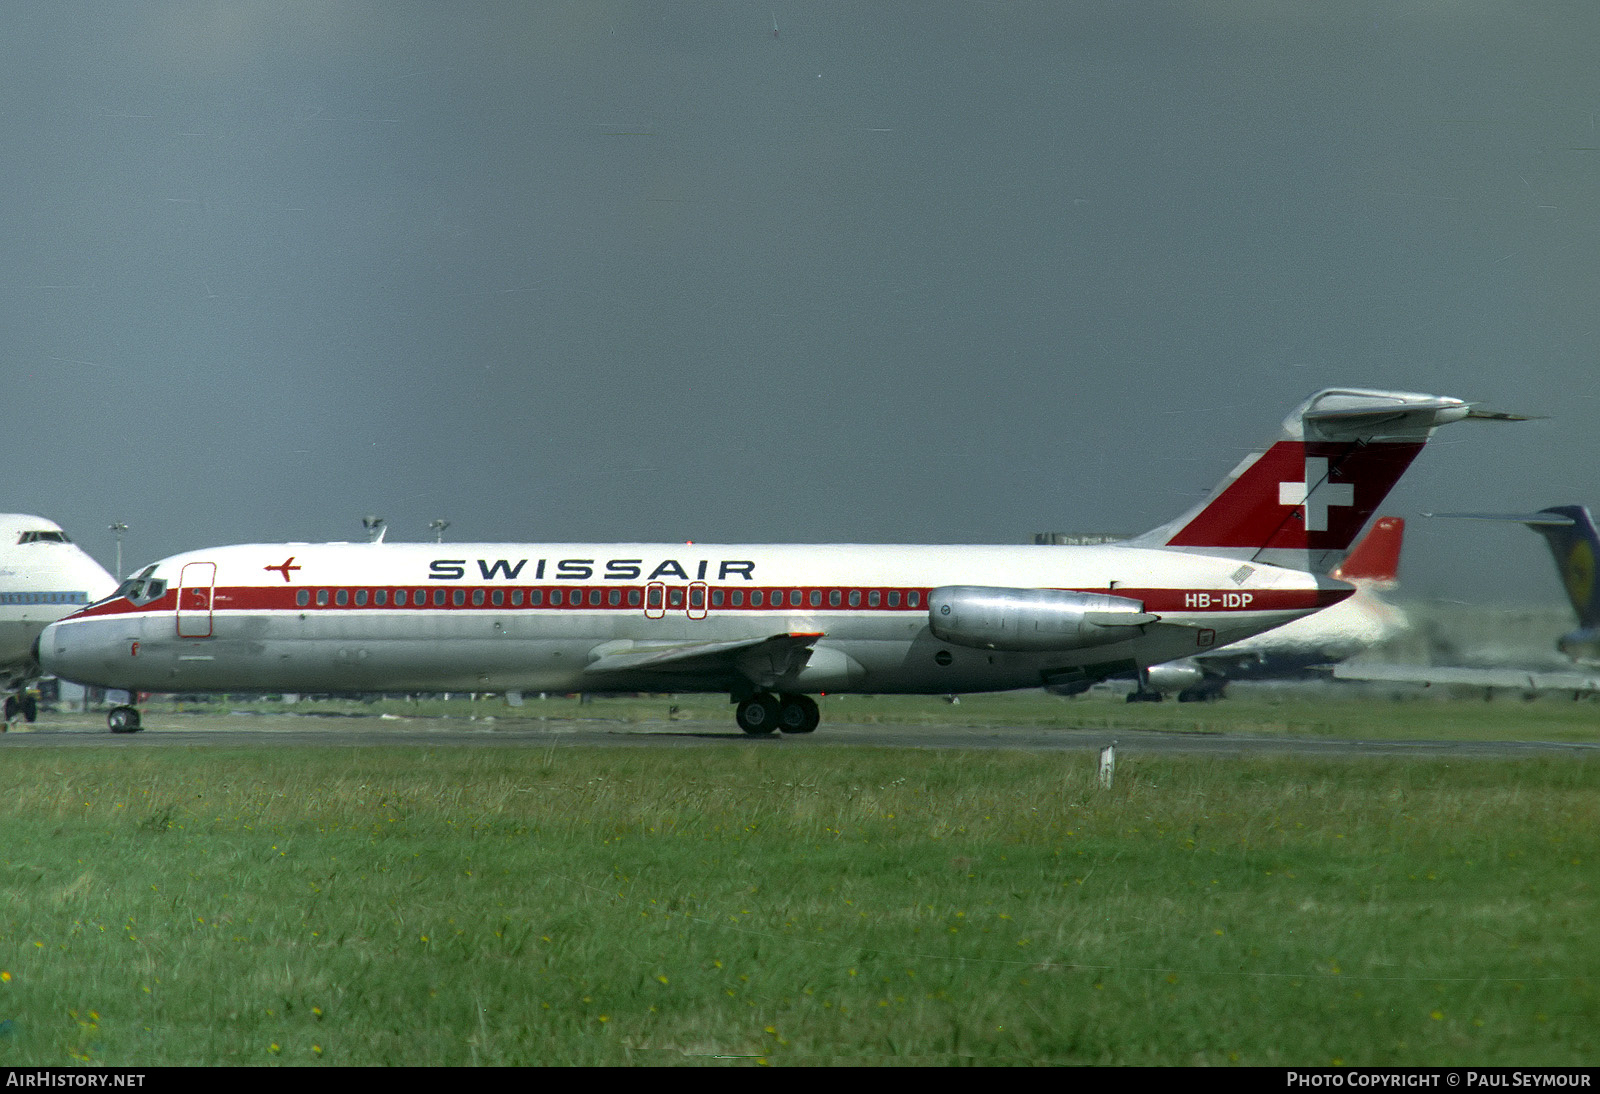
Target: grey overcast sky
(898,272)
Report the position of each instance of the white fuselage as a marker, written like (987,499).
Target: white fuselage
(43,577)
(370,617)
(1333,634)
(1297,649)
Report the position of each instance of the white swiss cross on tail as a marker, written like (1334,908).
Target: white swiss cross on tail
(1316,494)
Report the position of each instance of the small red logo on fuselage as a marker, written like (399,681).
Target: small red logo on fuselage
(283,567)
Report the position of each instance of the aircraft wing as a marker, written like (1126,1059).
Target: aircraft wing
(753,657)
(1510,679)
(1225,662)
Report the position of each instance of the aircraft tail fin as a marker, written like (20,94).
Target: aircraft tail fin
(1301,501)
(1575,545)
(1376,559)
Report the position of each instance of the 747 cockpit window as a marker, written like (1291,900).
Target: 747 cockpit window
(43,537)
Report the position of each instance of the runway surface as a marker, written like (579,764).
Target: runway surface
(216,730)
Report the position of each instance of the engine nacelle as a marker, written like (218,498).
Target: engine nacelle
(1032,620)
(1174,676)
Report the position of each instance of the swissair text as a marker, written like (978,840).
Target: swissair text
(584,569)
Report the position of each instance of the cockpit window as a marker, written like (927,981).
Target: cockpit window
(43,537)
(140,590)
(135,588)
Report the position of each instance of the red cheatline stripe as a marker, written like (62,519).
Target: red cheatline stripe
(675,598)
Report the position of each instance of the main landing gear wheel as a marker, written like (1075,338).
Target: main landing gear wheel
(798,713)
(123,720)
(25,705)
(757,715)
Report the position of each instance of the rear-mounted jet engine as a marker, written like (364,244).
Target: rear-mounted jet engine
(1032,619)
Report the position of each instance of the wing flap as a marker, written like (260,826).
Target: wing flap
(693,657)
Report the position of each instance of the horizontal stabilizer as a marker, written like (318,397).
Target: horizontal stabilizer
(1479,414)
(1349,411)
(1555,520)
(1359,407)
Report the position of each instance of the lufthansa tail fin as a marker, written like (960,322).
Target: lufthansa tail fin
(1575,546)
(1570,532)
(1376,559)
(1301,501)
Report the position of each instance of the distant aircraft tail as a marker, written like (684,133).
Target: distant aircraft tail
(1302,500)
(1570,532)
(1375,560)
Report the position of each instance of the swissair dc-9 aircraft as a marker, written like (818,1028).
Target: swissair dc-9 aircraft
(768,624)
(43,576)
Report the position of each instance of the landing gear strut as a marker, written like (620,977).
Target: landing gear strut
(123,719)
(1144,693)
(760,714)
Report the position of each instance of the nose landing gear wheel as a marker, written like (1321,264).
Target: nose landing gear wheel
(757,715)
(123,720)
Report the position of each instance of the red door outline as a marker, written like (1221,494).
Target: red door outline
(194,599)
(661,599)
(655,600)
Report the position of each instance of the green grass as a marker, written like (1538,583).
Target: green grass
(605,906)
(1329,712)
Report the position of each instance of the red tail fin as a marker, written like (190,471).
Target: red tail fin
(1301,495)
(1301,501)
(1377,557)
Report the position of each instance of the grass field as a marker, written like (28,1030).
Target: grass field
(429,906)
(1336,711)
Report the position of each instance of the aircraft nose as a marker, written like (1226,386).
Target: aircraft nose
(42,643)
(59,652)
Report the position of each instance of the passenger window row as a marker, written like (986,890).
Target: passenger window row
(653,596)
(44,598)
